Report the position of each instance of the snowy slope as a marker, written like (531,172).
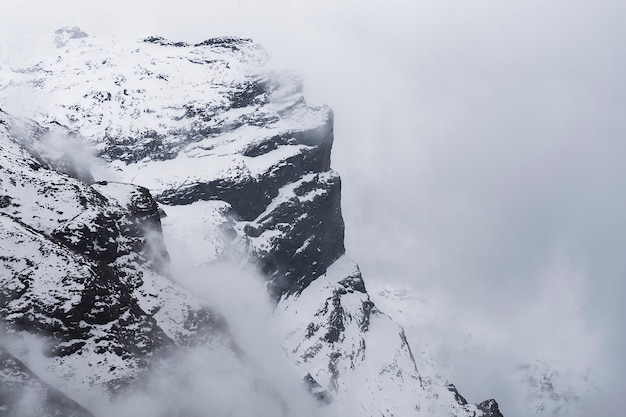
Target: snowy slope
(240,165)
(356,352)
(79,270)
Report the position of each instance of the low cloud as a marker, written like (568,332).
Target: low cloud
(209,381)
(203,380)
(212,379)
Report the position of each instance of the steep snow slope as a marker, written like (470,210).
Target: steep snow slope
(241,167)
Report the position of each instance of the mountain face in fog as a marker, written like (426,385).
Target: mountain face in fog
(213,163)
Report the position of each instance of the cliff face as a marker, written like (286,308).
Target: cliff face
(239,164)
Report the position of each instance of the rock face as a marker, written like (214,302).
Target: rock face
(240,164)
(82,269)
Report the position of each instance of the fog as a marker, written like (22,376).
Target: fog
(211,380)
(482,155)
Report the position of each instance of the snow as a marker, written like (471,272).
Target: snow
(194,233)
(121,193)
(371,370)
(128,88)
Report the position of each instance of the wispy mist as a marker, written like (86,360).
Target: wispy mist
(256,379)
(201,382)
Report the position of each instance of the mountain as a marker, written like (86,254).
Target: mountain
(211,160)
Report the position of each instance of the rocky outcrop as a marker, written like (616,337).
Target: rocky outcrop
(489,408)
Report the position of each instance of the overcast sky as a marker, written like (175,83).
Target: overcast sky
(482,150)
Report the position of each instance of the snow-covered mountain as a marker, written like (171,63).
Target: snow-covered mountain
(211,158)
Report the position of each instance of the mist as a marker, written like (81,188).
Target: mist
(203,380)
(244,372)
(481,151)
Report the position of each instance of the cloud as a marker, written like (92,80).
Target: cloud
(215,380)
(203,382)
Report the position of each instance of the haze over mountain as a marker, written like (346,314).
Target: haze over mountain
(217,167)
(500,172)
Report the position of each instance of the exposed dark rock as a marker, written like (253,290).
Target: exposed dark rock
(336,325)
(317,390)
(310,244)
(368,309)
(103,300)
(5,201)
(140,226)
(164,42)
(354,282)
(96,236)
(249,93)
(490,408)
(225,41)
(458,397)
(250,196)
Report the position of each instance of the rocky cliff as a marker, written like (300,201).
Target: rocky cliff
(216,159)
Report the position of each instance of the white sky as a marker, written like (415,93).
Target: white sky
(482,150)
